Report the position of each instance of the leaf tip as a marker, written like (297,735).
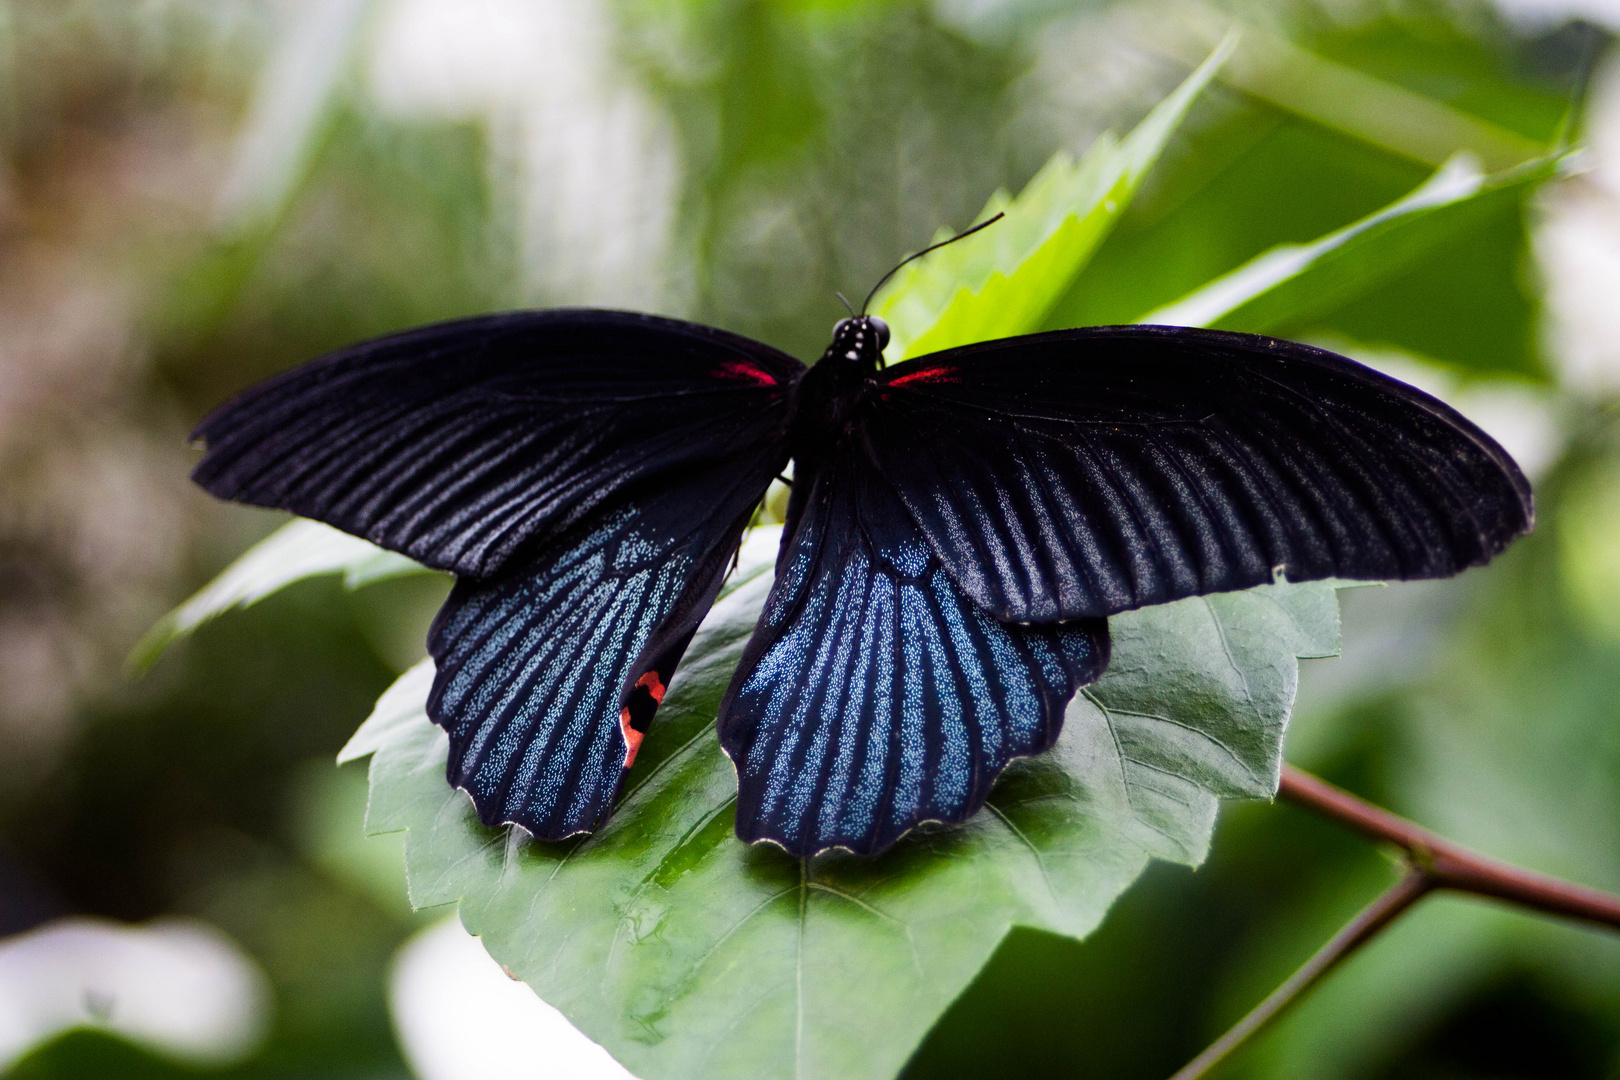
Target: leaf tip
(151,646)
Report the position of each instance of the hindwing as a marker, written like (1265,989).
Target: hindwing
(875,694)
(548,673)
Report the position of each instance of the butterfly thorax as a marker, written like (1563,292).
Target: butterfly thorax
(831,392)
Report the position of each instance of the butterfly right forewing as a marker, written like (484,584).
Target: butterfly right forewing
(1088,472)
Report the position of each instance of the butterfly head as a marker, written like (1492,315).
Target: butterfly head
(858,341)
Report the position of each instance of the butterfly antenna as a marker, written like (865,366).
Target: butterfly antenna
(931,247)
(847,306)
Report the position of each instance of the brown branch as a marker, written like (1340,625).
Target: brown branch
(1433,862)
(1448,865)
(1374,917)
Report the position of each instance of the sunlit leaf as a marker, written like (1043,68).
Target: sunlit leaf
(399,707)
(1292,284)
(1381,112)
(1247,179)
(1005,280)
(688,954)
(298,550)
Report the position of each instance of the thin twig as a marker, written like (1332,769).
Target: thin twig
(1411,888)
(1433,862)
(1449,865)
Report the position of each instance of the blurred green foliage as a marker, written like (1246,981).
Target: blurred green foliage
(818,143)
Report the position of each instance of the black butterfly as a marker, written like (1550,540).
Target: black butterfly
(960,527)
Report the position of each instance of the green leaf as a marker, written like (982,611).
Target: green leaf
(1006,280)
(687,954)
(399,707)
(1356,102)
(1293,284)
(300,549)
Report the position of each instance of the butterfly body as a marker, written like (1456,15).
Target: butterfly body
(960,527)
(833,391)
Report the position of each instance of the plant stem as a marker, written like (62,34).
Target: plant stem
(1411,888)
(1433,862)
(1449,865)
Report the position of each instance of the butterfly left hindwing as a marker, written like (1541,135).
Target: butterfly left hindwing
(548,673)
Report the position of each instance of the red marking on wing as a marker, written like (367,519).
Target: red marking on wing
(926,375)
(632,737)
(654,685)
(741,369)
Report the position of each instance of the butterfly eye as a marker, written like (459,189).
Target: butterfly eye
(839,327)
(882,329)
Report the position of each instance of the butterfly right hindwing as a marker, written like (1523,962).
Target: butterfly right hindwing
(875,695)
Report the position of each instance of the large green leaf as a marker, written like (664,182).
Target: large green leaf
(1004,281)
(1292,284)
(688,954)
(298,550)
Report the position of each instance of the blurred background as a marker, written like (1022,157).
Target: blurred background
(197,193)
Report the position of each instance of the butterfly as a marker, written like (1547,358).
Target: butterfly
(959,529)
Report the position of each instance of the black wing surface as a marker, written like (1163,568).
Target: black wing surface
(874,694)
(586,474)
(549,672)
(460,443)
(1087,472)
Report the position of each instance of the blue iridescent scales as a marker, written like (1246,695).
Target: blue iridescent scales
(961,526)
(530,663)
(875,695)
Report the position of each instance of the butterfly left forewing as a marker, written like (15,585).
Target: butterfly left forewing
(463,443)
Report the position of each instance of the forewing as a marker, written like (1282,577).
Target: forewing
(549,672)
(457,444)
(1087,472)
(874,694)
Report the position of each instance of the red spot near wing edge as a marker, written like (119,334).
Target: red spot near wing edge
(741,369)
(926,375)
(654,685)
(632,737)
